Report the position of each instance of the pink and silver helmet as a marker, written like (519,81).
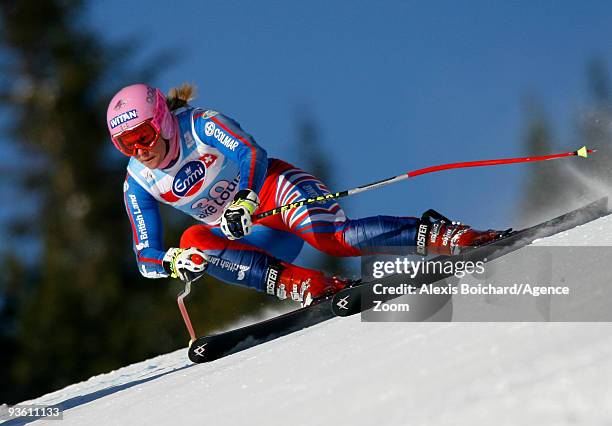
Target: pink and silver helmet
(136,118)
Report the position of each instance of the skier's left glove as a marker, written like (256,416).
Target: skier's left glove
(185,264)
(236,220)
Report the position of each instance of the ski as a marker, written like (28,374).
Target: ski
(210,348)
(349,301)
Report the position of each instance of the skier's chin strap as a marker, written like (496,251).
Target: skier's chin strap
(430,222)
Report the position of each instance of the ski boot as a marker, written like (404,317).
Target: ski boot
(301,284)
(438,234)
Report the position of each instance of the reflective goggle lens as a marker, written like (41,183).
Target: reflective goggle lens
(143,136)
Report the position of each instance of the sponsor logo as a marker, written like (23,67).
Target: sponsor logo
(188,178)
(311,192)
(343,303)
(435,231)
(229,266)
(242,271)
(142,246)
(199,351)
(223,191)
(209,113)
(188,139)
(297,294)
(219,194)
(150,95)
(271,279)
(281,293)
(139,222)
(206,209)
(151,274)
(421,240)
(120,103)
(173,196)
(447,235)
(122,118)
(147,174)
(454,242)
(210,129)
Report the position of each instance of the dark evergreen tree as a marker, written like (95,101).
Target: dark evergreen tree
(316,162)
(553,187)
(549,187)
(595,126)
(80,308)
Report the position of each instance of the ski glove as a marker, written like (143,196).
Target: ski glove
(236,219)
(185,264)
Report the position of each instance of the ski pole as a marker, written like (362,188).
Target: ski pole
(582,152)
(180,300)
(181,303)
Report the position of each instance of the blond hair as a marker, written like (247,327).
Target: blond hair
(180,96)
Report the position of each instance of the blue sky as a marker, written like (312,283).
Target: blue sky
(393,85)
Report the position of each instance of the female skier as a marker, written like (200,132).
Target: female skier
(204,164)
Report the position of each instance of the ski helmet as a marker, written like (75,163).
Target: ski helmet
(136,118)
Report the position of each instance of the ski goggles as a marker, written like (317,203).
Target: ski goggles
(142,136)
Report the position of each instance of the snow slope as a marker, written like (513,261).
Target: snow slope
(348,372)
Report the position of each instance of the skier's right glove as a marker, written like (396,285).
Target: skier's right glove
(185,264)
(236,221)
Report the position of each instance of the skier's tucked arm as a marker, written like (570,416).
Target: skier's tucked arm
(228,137)
(147,234)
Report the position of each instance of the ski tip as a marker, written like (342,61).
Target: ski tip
(584,152)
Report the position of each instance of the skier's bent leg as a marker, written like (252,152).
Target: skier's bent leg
(355,237)
(432,233)
(325,226)
(379,232)
(242,264)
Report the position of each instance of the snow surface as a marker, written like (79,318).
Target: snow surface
(344,371)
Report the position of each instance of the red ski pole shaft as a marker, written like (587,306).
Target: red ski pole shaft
(582,152)
(483,163)
(181,303)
